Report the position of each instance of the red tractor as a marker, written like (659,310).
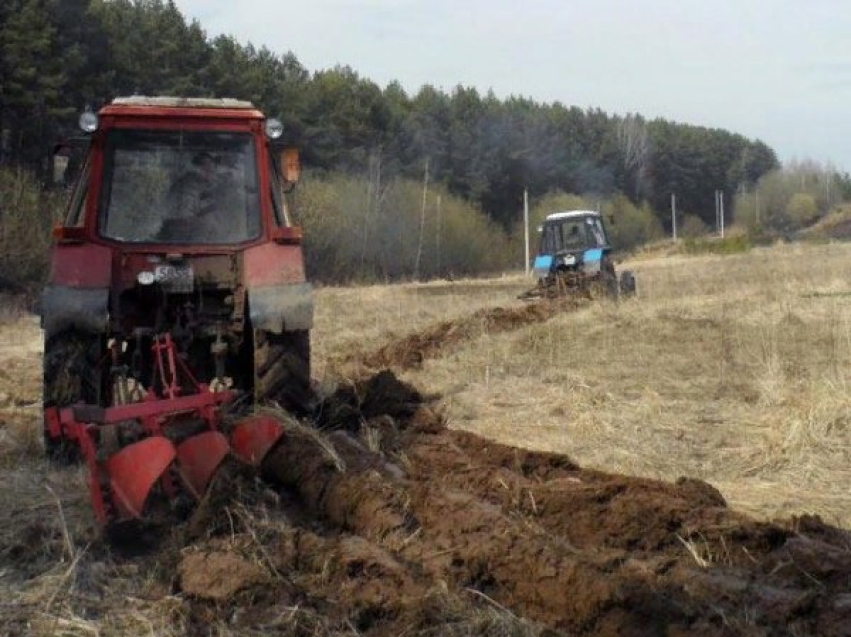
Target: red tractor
(177,290)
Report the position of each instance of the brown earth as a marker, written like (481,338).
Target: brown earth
(434,531)
(411,351)
(375,519)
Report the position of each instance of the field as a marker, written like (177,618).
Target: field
(678,463)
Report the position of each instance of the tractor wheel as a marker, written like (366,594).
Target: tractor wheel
(282,370)
(71,376)
(627,283)
(608,279)
(610,283)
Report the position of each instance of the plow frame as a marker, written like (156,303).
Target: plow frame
(119,484)
(82,423)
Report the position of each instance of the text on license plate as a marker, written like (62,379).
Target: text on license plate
(175,278)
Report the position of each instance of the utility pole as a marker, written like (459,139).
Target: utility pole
(717,214)
(674,214)
(438,235)
(526,228)
(721,203)
(756,204)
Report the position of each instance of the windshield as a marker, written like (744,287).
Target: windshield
(572,234)
(179,187)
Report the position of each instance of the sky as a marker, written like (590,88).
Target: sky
(775,70)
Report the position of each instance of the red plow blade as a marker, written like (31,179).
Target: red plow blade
(135,470)
(253,438)
(199,457)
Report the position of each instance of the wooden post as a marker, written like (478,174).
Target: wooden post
(526,227)
(674,215)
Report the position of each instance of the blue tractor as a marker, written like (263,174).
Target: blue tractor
(575,257)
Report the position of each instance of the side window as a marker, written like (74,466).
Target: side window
(279,202)
(548,244)
(598,233)
(76,214)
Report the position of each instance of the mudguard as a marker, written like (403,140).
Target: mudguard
(592,260)
(83,309)
(276,308)
(542,265)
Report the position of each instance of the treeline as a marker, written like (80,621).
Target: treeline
(375,232)
(58,56)
(785,201)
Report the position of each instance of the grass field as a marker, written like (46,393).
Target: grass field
(733,369)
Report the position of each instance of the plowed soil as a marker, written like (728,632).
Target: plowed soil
(373,518)
(402,526)
(411,351)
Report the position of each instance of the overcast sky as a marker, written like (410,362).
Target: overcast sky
(776,70)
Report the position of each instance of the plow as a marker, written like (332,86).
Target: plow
(168,442)
(177,302)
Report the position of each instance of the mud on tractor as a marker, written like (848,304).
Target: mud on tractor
(575,257)
(177,290)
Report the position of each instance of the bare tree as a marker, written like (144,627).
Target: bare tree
(422,223)
(376,190)
(634,145)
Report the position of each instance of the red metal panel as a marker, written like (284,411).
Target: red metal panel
(134,471)
(199,123)
(162,407)
(172,115)
(198,458)
(176,113)
(81,266)
(273,264)
(254,437)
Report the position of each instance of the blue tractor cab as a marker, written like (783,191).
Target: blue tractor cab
(574,255)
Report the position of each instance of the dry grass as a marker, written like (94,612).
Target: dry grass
(733,369)
(351,320)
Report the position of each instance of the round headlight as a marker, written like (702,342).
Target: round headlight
(274,128)
(145,278)
(89,122)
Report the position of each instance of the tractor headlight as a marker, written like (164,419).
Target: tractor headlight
(568,259)
(88,122)
(274,128)
(145,278)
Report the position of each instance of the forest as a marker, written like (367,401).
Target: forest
(58,57)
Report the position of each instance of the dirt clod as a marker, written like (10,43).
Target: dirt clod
(376,519)
(217,575)
(547,546)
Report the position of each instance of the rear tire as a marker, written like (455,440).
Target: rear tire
(627,283)
(282,370)
(71,376)
(608,279)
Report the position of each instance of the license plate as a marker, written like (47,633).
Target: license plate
(175,278)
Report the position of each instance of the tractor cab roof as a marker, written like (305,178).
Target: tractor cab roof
(182,102)
(571,214)
(167,106)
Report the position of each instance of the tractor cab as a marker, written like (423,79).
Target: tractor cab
(572,241)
